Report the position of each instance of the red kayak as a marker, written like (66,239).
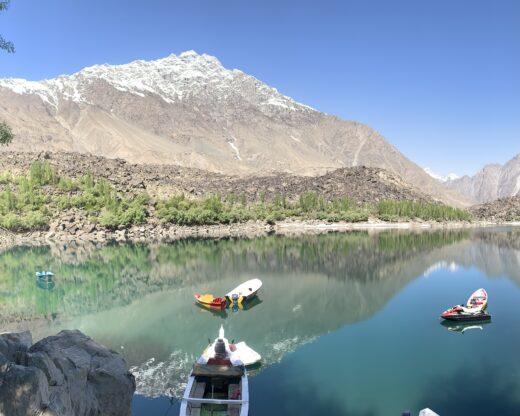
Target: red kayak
(210,301)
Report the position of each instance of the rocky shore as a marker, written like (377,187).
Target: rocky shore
(361,184)
(66,374)
(72,229)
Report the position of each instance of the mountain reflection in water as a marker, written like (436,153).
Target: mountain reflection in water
(138,299)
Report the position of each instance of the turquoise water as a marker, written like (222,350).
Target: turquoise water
(347,323)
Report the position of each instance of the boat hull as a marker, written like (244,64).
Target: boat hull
(214,303)
(245,291)
(467,317)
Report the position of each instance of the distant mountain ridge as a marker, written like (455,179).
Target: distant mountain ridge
(492,182)
(190,111)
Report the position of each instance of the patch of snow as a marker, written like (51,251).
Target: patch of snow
(295,138)
(233,146)
(173,79)
(451,266)
(22,86)
(440,178)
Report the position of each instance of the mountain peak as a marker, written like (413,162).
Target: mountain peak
(440,178)
(173,79)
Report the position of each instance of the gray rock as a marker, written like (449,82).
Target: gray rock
(96,378)
(63,375)
(23,390)
(13,343)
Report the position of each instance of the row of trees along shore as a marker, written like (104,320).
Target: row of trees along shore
(33,200)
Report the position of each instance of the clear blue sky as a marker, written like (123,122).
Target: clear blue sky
(439,78)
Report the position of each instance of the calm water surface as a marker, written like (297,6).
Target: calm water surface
(347,323)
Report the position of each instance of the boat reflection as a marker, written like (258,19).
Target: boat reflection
(246,305)
(461,327)
(221,313)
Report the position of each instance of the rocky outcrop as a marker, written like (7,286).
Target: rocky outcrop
(64,375)
(491,182)
(6,238)
(501,210)
(360,183)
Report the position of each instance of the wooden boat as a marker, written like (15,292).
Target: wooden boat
(474,310)
(238,352)
(244,291)
(209,300)
(216,385)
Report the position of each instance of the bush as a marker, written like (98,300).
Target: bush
(421,210)
(6,134)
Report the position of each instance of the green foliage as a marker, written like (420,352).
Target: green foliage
(394,210)
(214,210)
(125,212)
(30,202)
(6,134)
(5,44)
(42,174)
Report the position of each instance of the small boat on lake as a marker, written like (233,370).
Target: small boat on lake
(44,275)
(474,310)
(210,301)
(217,384)
(239,351)
(244,291)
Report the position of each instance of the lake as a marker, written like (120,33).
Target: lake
(347,323)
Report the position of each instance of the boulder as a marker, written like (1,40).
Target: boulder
(23,390)
(13,343)
(68,374)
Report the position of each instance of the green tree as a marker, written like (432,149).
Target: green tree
(5,44)
(6,135)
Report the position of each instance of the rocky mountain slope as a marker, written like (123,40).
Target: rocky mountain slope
(190,111)
(361,184)
(492,182)
(502,209)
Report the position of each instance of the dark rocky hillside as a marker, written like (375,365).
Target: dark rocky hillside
(362,184)
(503,209)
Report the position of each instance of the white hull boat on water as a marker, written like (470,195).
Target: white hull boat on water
(238,352)
(244,291)
(474,310)
(217,384)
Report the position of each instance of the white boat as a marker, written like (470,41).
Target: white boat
(217,384)
(477,302)
(427,412)
(474,310)
(239,352)
(245,291)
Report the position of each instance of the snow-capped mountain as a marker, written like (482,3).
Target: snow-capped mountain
(491,182)
(440,178)
(190,110)
(173,79)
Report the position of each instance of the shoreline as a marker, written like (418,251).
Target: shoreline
(153,233)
